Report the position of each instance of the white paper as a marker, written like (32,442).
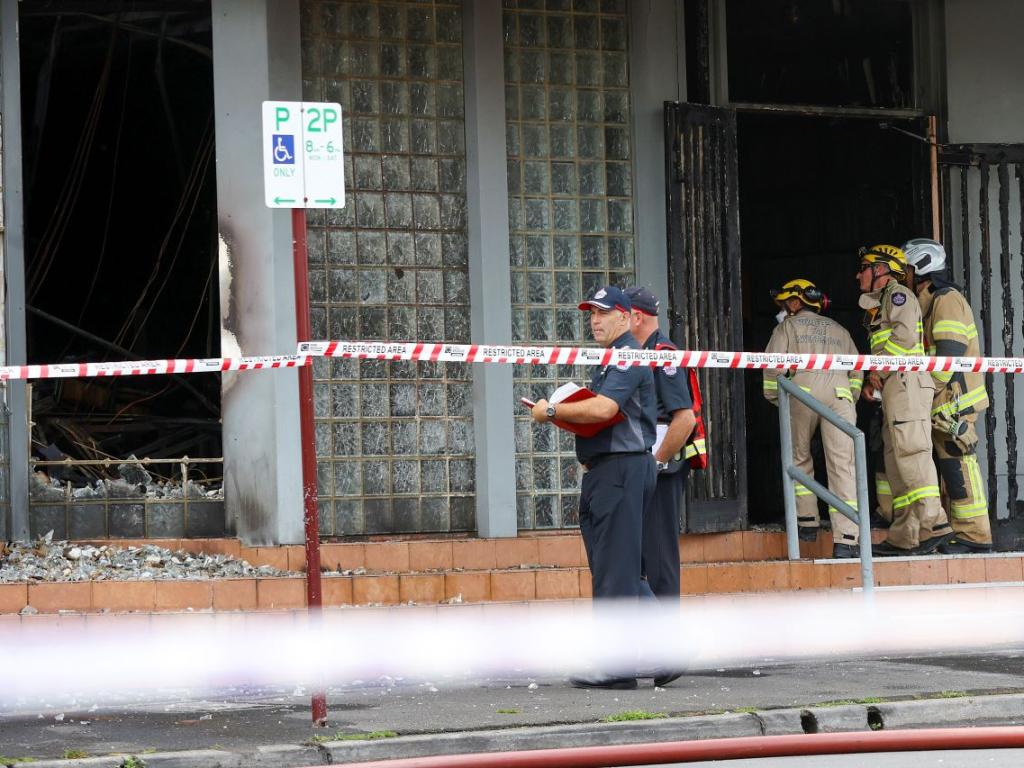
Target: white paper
(659,437)
(563,392)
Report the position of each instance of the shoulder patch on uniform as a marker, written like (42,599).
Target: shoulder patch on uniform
(899,299)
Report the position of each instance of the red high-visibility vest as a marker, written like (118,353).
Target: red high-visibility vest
(695,451)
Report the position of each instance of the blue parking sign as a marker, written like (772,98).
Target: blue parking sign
(283,149)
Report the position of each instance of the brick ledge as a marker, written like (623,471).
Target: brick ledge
(489,585)
(560,549)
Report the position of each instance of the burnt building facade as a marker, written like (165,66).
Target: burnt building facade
(502,158)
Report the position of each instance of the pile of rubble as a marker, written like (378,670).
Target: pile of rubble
(131,481)
(48,560)
(46,488)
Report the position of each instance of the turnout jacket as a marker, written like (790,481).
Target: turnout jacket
(807,332)
(949,330)
(894,322)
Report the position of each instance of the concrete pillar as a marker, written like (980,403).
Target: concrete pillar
(14,515)
(490,287)
(256,57)
(656,64)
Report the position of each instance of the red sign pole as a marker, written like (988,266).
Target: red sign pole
(307,433)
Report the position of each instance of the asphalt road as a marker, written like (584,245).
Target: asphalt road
(243,718)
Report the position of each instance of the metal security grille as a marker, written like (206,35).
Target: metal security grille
(394,440)
(570,209)
(984,190)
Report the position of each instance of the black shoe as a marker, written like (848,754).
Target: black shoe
(927,546)
(666,676)
(807,533)
(840,551)
(603,681)
(963,547)
(885,549)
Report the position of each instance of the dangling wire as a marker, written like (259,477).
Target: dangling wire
(114,181)
(45,254)
(189,199)
(199,306)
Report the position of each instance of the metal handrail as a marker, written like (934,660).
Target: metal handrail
(861,515)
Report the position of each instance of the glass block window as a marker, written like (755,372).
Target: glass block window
(394,440)
(570,209)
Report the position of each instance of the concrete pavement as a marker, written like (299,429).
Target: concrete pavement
(272,727)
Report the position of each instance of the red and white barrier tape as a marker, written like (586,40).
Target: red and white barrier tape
(485,353)
(151,367)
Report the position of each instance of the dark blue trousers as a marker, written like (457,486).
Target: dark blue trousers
(613,497)
(661,536)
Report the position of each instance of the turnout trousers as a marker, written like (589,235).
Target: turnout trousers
(917,513)
(963,485)
(613,496)
(839,462)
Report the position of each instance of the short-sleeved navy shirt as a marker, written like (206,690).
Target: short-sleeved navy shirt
(632,389)
(671,384)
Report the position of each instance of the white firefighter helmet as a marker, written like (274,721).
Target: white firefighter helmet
(925,256)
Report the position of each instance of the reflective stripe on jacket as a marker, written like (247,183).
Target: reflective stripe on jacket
(895,327)
(949,324)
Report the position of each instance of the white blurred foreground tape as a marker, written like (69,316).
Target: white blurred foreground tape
(95,656)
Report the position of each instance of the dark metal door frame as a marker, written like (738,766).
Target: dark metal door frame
(705,301)
(1004,162)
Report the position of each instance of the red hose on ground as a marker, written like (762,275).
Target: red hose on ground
(723,749)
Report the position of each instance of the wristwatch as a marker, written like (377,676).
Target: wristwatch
(662,465)
(550,411)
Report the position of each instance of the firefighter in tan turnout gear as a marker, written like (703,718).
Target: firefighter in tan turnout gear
(804,330)
(949,330)
(918,524)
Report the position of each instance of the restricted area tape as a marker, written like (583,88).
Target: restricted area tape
(487,353)
(682,358)
(151,367)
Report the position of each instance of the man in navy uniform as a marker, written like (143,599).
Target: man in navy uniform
(620,473)
(675,421)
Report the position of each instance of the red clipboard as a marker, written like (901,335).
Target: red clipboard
(582,430)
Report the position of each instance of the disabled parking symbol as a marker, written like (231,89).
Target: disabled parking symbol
(284,149)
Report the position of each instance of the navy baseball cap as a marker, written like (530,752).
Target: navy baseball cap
(608,297)
(643,300)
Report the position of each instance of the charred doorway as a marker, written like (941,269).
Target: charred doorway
(813,188)
(120,259)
